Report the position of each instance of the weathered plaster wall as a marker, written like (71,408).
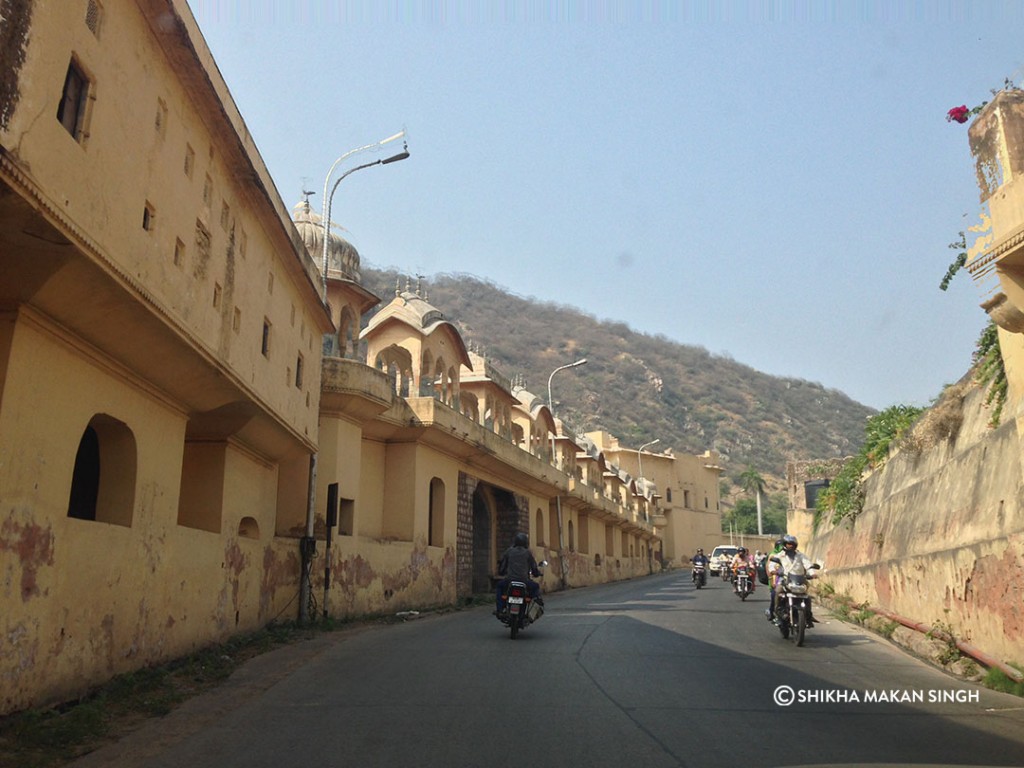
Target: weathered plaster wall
(941,538)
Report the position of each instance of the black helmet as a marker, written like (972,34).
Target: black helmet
(742,551)
(521,540)
(787,540)
(779,543)
(700,550)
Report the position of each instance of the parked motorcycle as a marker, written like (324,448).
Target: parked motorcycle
(793,603)
(518,610)
(699,575)
(744,582)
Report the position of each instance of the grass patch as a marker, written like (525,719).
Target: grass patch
(998,680)
(46,738)
(887,629)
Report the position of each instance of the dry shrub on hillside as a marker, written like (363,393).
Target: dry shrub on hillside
(941,422)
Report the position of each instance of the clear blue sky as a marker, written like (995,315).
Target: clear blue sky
(775,182)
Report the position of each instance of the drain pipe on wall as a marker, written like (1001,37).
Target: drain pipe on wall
(965,648)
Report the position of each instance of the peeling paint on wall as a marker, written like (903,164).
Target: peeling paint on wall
(33,546)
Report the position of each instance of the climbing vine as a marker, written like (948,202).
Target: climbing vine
(844,497)
(961,259)
(990,371)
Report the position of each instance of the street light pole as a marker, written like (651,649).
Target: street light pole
(325,218)
(307,545)
(639,458)
(558,498)
(551,404)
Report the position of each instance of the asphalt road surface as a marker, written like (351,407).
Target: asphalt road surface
(647,673)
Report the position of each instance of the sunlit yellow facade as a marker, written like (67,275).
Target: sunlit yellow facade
(189,441)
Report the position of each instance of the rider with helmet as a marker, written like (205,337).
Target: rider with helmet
(700,559)
(518,564)
(784,562)
(769,612)
(740,560)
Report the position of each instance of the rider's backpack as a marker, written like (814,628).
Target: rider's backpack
(762,572)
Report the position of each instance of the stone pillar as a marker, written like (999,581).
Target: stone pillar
(464,537)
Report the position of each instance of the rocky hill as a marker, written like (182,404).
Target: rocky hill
(640,387)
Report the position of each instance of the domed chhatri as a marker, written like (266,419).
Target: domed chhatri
(342,257)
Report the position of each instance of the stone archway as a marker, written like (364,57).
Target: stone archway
(483,557)
(488,519)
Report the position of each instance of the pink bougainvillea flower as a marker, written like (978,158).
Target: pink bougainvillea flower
(958,114)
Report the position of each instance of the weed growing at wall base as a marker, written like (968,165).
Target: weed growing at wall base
(998,680)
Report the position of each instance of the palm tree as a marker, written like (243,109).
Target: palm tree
(752,482)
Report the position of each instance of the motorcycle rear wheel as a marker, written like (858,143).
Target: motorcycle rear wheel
(514,626)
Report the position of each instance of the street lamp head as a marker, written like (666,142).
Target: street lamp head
(395,158)
(582,361)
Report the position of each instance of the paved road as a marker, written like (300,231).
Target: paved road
(649,673)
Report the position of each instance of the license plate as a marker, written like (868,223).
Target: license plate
(515,600)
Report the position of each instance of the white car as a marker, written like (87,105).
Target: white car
(721,556)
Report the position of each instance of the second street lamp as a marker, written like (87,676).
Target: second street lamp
(558,499)
(640,459)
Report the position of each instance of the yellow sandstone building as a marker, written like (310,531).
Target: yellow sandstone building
(189,445)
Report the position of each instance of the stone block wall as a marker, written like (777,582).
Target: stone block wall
(941,537)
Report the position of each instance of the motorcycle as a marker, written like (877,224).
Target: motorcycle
(744,582)
(725,570)
(793,603)
(519,610)
(699,575)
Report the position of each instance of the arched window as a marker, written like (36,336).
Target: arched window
(249,528)
(103,478)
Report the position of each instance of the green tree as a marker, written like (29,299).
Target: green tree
(752,482)
(742,517)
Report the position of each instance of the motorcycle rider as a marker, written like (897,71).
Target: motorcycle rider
(518,564)
(740,560)
(769,612)
(699,559)
(790,558)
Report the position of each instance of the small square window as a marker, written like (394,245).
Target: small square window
(93,17)
(237,322)
(298,372)
(270,283)
(208,191)
(225,215)
(216,294)
(265,346)
(179,252)
(190,160)
(148,217)
(243,242)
